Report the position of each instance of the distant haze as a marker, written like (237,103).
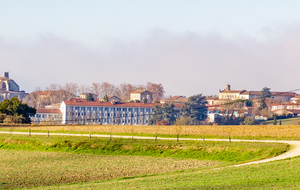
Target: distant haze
(190,47)
(185,64)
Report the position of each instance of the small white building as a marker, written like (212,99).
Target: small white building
(47,116)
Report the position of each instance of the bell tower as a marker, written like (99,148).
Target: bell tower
(227,87)
(6,74)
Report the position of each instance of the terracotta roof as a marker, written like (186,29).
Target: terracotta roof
(283,94)
(232,91)
(212,98)
(296,97)
(45,93)
(286,103)
(83,102)
(44,110)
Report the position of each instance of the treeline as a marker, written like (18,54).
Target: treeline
(56,93)
(192,112)
(14,111)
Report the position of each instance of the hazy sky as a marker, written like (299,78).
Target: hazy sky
(190,46)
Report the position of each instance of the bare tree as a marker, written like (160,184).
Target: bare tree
(72,88)
(156,89)
(84,89)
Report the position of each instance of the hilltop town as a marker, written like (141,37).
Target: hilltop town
(137,105)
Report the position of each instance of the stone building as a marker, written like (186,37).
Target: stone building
(9,88)
(140,95)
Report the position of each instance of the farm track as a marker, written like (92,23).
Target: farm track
(294,152)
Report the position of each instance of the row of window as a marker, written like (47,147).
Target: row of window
(110,121)
(108,109)
(107,115)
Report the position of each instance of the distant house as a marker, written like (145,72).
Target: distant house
(229,94)
(286,108)
(295,99)
(140,95)
(85,95)
(175,100)
(111,99)
(9,88)
(47,116)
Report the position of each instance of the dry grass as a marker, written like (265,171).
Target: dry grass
(33,168)
(261,131)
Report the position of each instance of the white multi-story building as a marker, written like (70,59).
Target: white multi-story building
(47,116)
(80,111)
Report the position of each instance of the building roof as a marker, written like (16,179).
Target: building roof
(296,97)
(232,91)
(5,78)
(44,110)
(139,91)
(83,102)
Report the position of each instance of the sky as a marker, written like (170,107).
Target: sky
(190,47)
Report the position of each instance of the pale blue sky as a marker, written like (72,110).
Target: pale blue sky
(109,34)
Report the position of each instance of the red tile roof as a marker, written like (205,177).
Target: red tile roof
(83,102)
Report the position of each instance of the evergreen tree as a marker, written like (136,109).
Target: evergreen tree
(90,97)
(195,108)
(265,93)
(15,107)
(165,113)
(105,98)
(275,120)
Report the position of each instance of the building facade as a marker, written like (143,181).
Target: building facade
(47,116)
(228,94)
(9,88)
(140,95)
(80,111)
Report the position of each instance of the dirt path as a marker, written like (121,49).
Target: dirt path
(295,150)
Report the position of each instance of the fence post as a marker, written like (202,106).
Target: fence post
(203,137)
(155,136)
(110,136)
(177,137)
(69,132)
(229,139)
(29,132)
(47,133)
(90,136)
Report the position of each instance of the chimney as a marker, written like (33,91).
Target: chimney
(6,74)
(227,87)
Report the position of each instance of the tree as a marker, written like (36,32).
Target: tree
(275,119)
(156,89)
(195,108)
(265,93)
(14,107)
(163,113)
(90,97)
(105,98)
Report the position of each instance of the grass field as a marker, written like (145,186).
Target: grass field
(284,174)
(287,121)
(41,161)
(236,131)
